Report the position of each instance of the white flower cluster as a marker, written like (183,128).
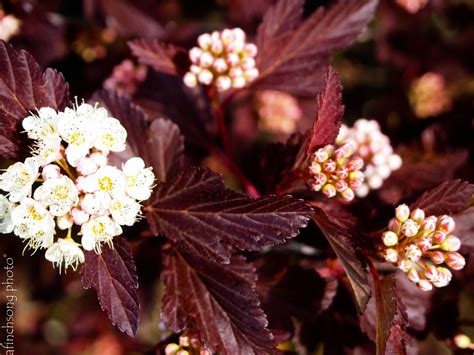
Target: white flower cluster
(374,147)
(223,58)
(71,186)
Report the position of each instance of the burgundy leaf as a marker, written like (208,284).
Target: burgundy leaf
(385,319)
(293,59)
(198,213)
(465,229)
(113,275)
(338,226)
(451,197)
(159,144)
(219,300)
(156,54)
(23,88)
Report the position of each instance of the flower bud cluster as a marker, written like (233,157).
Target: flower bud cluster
(224,59)
(429,95)
(423,247)
(374,147)
(278,112)
(188,345)
(334,170)
(68,183)
(126,77)
(9,26)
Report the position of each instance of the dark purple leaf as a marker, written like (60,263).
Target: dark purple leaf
(293,53)
(465,229)
(219,300)
(23,88)
(328,119)
(339,228)
(451,197)
(159,144)
(198,213)
(113,275)
(156,54)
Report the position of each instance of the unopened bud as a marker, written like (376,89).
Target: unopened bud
(79,216)
(205,77)
(437,257)
(223,83)
(455,260)
(391,255)
(51,171)
(446,224)
(348,195)
(64,222)
(462,341)
(402,213)
(321,155)
(390,238)
(329,166)
(329,191)
(439,237)
(451,243)
(432,273)
(171,349)
(190,80)
(413,275)
(429,224)
(412,252)
(418,215)
(410,228)
(425,285)
(394,225)
(405,265)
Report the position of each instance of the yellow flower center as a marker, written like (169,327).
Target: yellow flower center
(108,140)
(23,178)
(77,138)
(132,180)
(34,214)
(105,183)
(61,192)
(98,228)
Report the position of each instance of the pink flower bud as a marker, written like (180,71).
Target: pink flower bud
(315,168)
(437,257)
(195,69)
(413,275)
(238,83)
(391,255)
(342,173)
(220,65)
(99,159)
(233,59)
(321,155)
(394,225)
(64,222)
(86,166)
(439,237)
(315,186)
(320,178)
(340,185)
(206,60)
(329,191)
(462,341)
(235,73)
(79,216)
(444,277)
(190,80)
(432,273)
(375,182)
(348,195)
(446,224)
(329,166)
(451,243)
(405,265)
(402,213)
(51,171)
(205,77)
(412,252)
(251,49)
(344,151)
(223,83)
(418,215)
(171,349)
(195,54)
(425,244)
(390,238)
(204,41)
(217,47)
(248,63)
(251,74)
(356,163)
(409,228)
(429,224)
(395,162)
(455,260)
(425,285)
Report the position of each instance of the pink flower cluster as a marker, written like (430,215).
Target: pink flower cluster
(374,147)
(126,77)
(278,112)
(334,170)
(223,59)
(421,247)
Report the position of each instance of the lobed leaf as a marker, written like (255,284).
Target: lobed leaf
(113,275)
(24,88)
(451,197)
(159,144)
(197,212)
(338,226)
(156,54)
(293,53)
(219,300)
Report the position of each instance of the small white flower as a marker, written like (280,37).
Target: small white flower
(111,135)
(18,179)
(79,216)
(125,210)
(139,179)
(108,179)
(6,207)
(96,204)
(65,251)
(33,223)
(97,231)
(60,195)
(43,126)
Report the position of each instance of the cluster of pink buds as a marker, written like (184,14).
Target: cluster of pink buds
(126,78)
(374,147)
(188,345)
(412,6)
(335,171)
(9,26)
(223,59)
(423,247)
(429,95)
(278,112)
